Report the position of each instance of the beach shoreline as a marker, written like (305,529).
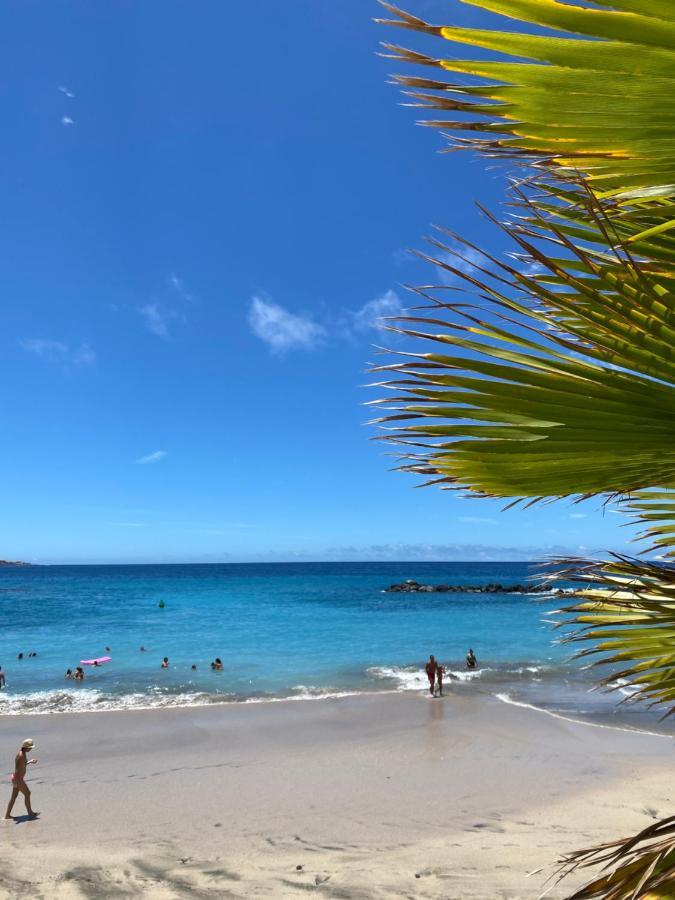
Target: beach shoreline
(378,795)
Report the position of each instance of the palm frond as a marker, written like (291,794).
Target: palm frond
(557,382)
(625,609)
(642,866)
(601,104)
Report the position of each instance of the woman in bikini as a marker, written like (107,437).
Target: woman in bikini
(19,785)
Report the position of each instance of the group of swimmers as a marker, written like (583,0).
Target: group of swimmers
(77,675)
(435,672)
(3,680)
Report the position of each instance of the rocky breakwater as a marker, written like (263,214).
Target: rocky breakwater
(414,587)
(16,562)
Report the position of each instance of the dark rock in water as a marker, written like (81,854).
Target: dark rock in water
(414,587)
(13,562)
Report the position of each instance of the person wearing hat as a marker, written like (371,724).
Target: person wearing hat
(19,785)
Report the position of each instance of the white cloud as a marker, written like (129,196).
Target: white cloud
(84,355)
(179,286)
(371,313)
(578,515)
(60,352)
(151,458)
(66,120)
(465,262)
(476,520)
(67,92)
(158,317)
(281,329)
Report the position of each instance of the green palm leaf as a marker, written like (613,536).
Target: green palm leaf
(556,376)
(558,384)
(603,105)
(625,609)
(641,866)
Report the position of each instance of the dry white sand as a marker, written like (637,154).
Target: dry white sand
(365,797)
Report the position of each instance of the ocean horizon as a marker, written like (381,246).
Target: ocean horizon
(283,631)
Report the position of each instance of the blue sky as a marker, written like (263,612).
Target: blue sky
(204,206)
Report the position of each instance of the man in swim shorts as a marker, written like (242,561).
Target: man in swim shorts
(430,669)
(19,785)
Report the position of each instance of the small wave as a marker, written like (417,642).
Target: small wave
(506,698)
(89,700)
(406,678)
(411,678)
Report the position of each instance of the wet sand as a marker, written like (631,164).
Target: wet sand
(377,796)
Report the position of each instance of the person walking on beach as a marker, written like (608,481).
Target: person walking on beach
(19,785)
(430,669)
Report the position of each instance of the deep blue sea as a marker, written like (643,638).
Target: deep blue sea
(282,631)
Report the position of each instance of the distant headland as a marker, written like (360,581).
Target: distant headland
(414,587)
(13,562)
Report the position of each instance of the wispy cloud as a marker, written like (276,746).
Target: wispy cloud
(160,316)
(66,120)
(151,458)
(464,262)
(282,329)
(476,520)
(157,318)
(371,313)
(578,515)
(443,552)
(401,256)
(178,285)
(68,93)
(54,351)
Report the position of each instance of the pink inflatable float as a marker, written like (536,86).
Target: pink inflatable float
(94,662)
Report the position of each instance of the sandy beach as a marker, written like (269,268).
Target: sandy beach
(359,797)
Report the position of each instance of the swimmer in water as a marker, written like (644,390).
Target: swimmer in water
(69,673)
(165,663)
(79,674)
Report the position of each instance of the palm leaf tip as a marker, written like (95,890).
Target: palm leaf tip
(625,610)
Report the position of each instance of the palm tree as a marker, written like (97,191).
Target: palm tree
(555,376)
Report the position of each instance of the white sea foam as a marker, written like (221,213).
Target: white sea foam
(506,698)
(409,678)
(90,700)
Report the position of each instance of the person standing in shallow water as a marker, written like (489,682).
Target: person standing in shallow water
(19,786)
(430,669)
(471,659)
(439,678)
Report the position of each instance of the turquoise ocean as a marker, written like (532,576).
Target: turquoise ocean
(282,631)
